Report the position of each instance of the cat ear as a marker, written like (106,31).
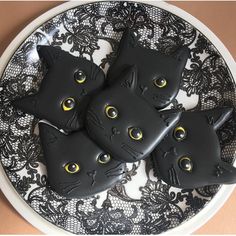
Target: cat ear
(128,78)
(170,117)
(224,173)
(182,54)
(27,104)
(129,39)
(49,134)
(49,54)
(218,116)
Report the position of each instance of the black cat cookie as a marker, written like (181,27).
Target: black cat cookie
(159,75)
(65,90)
(124,124)
(190,155)
(76,166)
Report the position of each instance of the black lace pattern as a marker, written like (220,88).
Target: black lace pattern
(93,31)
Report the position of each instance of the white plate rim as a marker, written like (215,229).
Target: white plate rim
(16,200)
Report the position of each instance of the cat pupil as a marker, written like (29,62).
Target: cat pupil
(180,133)
(72,167)
(135,133)
(111,112)
(104,158)
(68,104)
(186,164)
(80,76)
(160,82)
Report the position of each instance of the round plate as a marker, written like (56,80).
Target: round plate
(93,30)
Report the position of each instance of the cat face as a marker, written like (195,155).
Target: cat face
(190,156)
(123,123)
(65,90)
(76,166)
(159,75)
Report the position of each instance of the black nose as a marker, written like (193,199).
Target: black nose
(115,131)
(92,174)
(83,92)
(143,88)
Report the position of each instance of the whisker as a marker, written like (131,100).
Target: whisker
(69,122)
(132,148)
(90,119)
(64,190)
(113,169)
(93,114)
(69,182)
(111,175)
(173,176)
(72,118)
(131,151)
(75,117)
(170,175)
(69,188)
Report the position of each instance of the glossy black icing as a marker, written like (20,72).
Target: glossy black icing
(137,128)
(67,77)
(194,161)
(108,216)
(76,166)
(159,75)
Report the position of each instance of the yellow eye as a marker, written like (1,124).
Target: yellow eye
(160,82)
(180,133)
(80,76)
(72,168)
(111,112)
(104,158)
(68,104)
(186,164)
(135,133)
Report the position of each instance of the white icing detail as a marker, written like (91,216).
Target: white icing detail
(50,124)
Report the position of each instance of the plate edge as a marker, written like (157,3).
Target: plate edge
(5,184)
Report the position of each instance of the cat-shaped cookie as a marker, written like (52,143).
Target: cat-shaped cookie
(159,75)
(124,124)
(190,156)
(65,90)
(76,166)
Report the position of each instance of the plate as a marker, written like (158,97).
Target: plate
(93,30)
